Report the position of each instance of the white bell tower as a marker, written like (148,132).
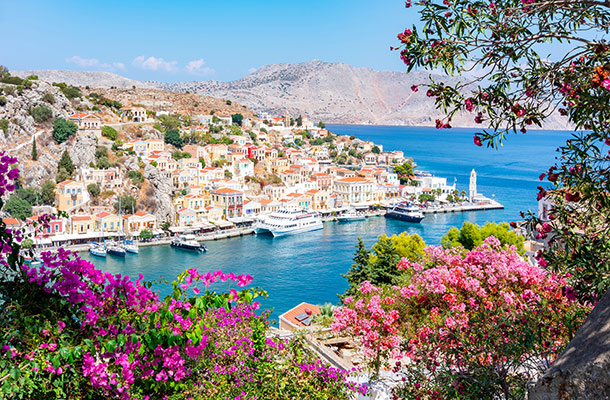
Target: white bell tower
(472,192)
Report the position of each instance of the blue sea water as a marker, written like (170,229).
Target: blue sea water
(308,267)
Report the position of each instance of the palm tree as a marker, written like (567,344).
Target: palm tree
(325,318)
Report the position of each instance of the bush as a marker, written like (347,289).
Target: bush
(109,132)
(3,101)
(136,177)
(71,92)
(63,129)
(473,325)
(48,97)
(94,190)
(471,236)
(41,113)
(18,207)
(172,136)
(12,80)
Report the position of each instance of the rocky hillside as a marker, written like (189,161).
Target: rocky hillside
(333,93)
(94,79)
(182,103)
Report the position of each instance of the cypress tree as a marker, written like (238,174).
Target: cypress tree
(66,163)
(34,151)
(359,272)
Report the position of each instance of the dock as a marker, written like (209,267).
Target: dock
(494,205)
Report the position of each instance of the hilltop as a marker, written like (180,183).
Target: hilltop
(94,79)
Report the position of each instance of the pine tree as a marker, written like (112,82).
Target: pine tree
(383,263)
(359,271)
(34,151)
(66,163)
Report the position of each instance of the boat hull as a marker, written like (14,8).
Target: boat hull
(309,228)
(117,252)
(184,246)
(406,218)
(133,250)
(97,253)
(350,219)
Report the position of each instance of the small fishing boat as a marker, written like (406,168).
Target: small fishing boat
(131,247)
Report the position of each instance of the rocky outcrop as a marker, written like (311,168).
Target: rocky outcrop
(82,152)
(582,371)
(162,189)
(17,110)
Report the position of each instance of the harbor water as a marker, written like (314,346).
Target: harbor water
(308,267)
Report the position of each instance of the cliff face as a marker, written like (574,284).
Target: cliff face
(335,93)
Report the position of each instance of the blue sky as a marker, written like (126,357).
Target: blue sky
(198,40)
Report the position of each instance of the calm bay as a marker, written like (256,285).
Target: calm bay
(307,267)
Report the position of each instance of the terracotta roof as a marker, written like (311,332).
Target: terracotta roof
(265,201)
(141,213)
(226,191)
(354,179)
(65,183)
(103,214)
(300,311)
(81,218)
(10,221)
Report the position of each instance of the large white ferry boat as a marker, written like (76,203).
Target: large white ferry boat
(289,222)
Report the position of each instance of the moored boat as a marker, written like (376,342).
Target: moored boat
(116,250)
(131,247)
(289,222)
(188,243)
(350,216)
(98,250)
(405,212)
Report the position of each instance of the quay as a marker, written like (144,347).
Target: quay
(492,205)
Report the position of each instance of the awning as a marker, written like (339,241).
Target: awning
(240,220)
(42,241)
(224,224)
(178,229)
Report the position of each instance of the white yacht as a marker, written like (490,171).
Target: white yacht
(350,216)
(405,212)
(289,222)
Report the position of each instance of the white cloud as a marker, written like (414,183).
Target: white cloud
(94,63)
(252,70)
(196,67)
(83,62)
(154,64)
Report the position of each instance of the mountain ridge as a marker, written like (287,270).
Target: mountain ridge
(323,91)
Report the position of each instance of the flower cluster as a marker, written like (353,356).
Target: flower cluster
(461,313)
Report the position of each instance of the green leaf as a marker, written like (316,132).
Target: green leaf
(111,346)
(64,352)
(15,373)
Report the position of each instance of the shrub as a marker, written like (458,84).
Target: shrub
(474,325)
(12,80)
(63,129)
(71,92)
(94,190)
(41,113)
(48,97)
(3,101)
(109,132)
(172,136)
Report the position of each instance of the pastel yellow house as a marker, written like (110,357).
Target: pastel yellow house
(81,224)
(108,222)
(138,222)
(155,145)
(213,213)
(70,194)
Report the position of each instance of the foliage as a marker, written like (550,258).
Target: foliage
(237,119)
(34,150)
(426,197)
(520,86)
(471,236)
(474,325)
(66,163)
(72,331)
(321,125)
(47,192)
(48,97)
(62,175)
(109,132)
(404,172)
(228,102)
(4,72)
(94,190)
(146,234)
(378,265)
(170,122)
(127,203)
(63,129)
(71,92)
(136,177)
(41,113)
(228,174)
(172,136)
(3,101)
(179,155)
(376,150)
(18,208)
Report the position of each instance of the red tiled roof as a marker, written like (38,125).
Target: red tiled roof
(10,221)
(303,308)
(103,214)
(141,213)
(354,179)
